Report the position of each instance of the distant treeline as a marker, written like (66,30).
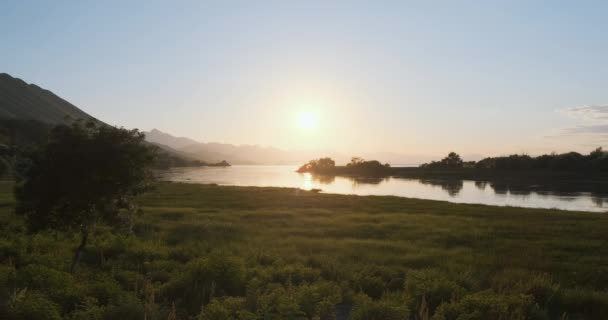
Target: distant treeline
(597,160)
(453,165)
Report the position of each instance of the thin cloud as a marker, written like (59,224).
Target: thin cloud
(593,127)
(589,113)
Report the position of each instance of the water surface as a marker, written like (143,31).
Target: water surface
(454,190)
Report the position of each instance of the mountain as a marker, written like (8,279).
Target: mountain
(27,112)
(159,137)
(23,101)
(237,154)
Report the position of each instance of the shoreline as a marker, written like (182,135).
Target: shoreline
(323,192)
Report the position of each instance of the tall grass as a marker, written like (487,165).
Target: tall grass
(211,252)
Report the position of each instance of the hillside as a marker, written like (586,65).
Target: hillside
(27,112)
(23,101)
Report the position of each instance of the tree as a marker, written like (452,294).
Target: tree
(86,174)
(322,165)
(453,160)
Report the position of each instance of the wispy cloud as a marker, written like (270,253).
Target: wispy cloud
(588,113)
(593,128)
(587,129)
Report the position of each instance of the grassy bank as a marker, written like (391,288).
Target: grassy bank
(271,253)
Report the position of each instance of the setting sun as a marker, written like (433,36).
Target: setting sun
(307,120)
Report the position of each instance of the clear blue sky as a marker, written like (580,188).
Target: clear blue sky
(425,77)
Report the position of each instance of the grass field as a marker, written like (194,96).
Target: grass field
(211,252)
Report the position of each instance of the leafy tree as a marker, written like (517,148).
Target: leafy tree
(453,160)
(86,174)
(322,165)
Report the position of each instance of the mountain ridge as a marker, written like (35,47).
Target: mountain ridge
(22,100)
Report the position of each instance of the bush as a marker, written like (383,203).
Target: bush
(216,275)
(487,305)
(36,306)
(367,309)
(228,308)
(131,309)
(373,286)
(431,284)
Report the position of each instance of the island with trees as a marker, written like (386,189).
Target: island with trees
(566,164)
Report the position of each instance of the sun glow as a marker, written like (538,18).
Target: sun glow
(307,120)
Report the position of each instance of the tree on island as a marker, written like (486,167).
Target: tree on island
(85,175)
(452,161)
(322,165)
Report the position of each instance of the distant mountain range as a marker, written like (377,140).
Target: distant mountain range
(20,101)
(234,154)
(253,154)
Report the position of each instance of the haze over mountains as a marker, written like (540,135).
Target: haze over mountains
(253,154)
(22,101)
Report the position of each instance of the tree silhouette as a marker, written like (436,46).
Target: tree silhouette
(86,174)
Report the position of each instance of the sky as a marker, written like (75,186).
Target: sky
(421,77)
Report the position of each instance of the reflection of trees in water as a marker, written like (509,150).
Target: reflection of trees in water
(481,185)
(367,180)
(323,179)
(451,186)
(599,201)
(356,180)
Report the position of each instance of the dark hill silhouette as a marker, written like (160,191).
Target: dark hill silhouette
(23,101)
(27,112)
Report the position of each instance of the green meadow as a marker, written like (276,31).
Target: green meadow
(214,252)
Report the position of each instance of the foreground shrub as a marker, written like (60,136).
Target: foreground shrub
(431,286)
(228,308)
(217,275)
(35,306)
(366,309)
(486,305)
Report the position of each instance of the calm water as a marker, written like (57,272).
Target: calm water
(462,191)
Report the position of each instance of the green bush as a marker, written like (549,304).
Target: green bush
(584,304)
(202,279)
(435,286)
(487,305)
(130,309)
(88,309)
(228,308)
(106,290)
(366,309)
(294,273)
(374,287)
(36,306)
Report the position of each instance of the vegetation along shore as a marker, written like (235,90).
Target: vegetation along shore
(217,252)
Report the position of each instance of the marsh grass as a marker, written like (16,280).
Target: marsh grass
(276,253)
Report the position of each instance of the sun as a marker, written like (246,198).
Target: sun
(307,120)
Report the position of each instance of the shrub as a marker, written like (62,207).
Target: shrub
(487,305)
(216,275)
(36,306)
(130,309)
(228,308)
(366,309)
(294,273)
(372,286)
(431,284)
